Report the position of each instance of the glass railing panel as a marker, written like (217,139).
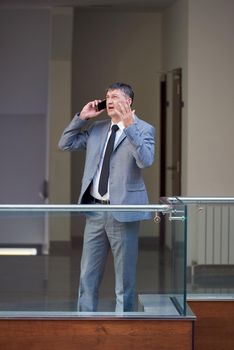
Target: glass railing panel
(176,243)
(46,282)
(210,261)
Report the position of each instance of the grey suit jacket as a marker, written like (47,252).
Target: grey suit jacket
(133,151)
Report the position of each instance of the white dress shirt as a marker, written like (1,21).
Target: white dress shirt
(94,186)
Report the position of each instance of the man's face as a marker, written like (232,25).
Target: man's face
(113,99)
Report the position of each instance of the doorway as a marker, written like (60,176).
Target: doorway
(171,132)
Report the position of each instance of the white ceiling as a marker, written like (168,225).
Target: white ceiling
(157,4)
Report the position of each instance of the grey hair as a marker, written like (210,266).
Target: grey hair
(125,88)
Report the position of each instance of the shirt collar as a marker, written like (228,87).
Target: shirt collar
(120,125)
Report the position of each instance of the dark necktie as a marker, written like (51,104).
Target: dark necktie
(103,182)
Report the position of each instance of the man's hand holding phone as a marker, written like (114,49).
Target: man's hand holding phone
(92,109)
(101,105)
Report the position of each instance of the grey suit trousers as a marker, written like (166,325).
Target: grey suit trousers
(104,232)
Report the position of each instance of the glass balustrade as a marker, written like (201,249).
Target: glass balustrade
(40,260)
(210,249)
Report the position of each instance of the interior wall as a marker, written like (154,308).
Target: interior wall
(117,46)
(211,98)
(23,103)
(24,61)
(24,54)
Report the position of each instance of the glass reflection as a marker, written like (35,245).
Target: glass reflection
(48,283)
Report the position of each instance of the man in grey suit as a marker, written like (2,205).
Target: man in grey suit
(117,149)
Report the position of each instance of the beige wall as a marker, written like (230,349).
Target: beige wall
(210,98)
(198,36)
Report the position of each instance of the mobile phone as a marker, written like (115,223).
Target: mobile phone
(101,105)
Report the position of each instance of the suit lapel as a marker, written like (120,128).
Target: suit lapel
(103,137)
(122,137)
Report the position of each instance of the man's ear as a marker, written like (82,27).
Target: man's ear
(129,101)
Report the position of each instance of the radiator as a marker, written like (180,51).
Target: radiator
(215,234)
